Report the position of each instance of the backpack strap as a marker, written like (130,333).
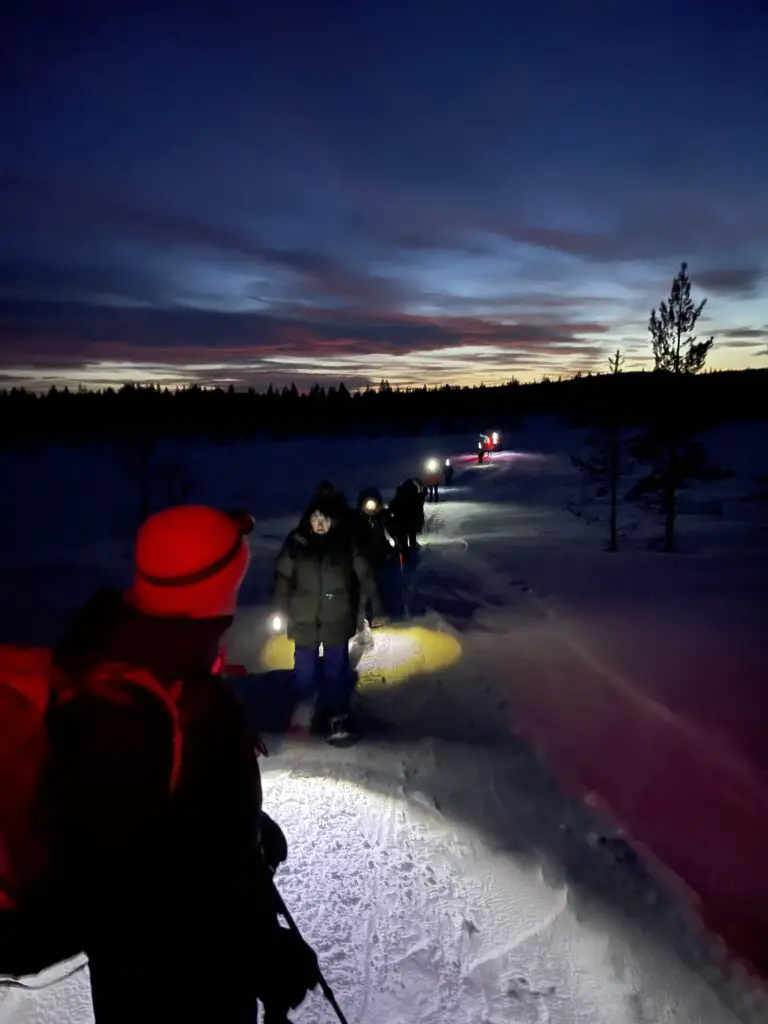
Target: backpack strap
(110,678)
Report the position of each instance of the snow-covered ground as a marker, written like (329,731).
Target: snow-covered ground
(439,868)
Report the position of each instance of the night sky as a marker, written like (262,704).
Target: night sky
(454,191)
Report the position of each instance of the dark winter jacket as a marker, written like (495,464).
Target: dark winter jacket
(407,509)
(374,539)
(169,891)
(372,529)
(319,581)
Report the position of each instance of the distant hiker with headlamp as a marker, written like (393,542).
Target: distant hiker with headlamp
(376,538)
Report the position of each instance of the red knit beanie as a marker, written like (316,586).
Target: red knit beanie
(190,562)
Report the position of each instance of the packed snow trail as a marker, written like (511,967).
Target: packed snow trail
(430,878)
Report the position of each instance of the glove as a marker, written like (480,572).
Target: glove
(274,845)
(288,971)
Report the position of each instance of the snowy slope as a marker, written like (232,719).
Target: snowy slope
(438,868)
(420,916)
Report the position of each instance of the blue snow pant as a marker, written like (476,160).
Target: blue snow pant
(329,677)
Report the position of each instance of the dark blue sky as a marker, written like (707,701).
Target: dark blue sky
(427,191)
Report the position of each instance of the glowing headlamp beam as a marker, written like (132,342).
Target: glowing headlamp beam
(397,654)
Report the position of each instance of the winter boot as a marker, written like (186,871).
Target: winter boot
(300,724)
(341,731)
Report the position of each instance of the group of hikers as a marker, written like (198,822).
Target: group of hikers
(131,818)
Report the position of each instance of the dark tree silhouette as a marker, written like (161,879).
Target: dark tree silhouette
(137,414)
(675,458)
(607,460)
(675,348)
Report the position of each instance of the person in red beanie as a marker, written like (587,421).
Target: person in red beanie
(158,837)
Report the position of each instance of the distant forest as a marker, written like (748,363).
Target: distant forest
(135,413)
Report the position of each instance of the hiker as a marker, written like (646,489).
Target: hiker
(159,853)
(372,527)
(433,476)
(320,577)
(407,516)
(373,530)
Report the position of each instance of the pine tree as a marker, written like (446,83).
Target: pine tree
(675,348)
(675,458)
(607,461)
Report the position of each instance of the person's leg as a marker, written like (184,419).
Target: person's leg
(305,666)
(382,582)
(392,590)
(336,681)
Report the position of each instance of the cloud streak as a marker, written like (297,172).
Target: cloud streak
(43,328)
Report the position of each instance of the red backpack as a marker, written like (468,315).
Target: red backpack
(29,682)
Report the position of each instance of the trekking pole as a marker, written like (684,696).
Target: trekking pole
(324,986)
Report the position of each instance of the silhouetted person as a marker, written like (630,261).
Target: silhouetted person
(407,516)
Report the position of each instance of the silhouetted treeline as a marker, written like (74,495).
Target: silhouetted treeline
(136,413)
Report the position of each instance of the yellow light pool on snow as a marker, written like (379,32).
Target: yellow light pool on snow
(397,654)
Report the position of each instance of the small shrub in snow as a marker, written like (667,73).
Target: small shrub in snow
(607,461)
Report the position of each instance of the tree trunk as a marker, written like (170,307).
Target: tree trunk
(613,539)
(670,501)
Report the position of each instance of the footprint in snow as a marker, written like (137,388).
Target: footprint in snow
(520,990)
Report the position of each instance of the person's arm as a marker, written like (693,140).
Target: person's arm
(284,570)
